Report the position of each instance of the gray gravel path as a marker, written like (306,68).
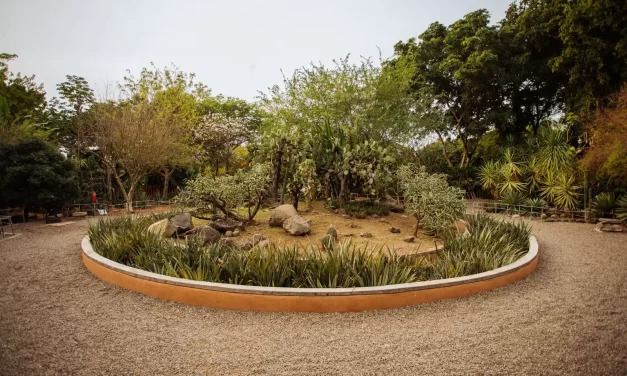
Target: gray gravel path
(568,318)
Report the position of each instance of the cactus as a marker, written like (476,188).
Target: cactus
(328,242)
(332,232)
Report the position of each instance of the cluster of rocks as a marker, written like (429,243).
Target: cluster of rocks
(287,217)
(181,226)
(609,225)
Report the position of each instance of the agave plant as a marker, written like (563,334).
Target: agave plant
(513,198)
(603,203)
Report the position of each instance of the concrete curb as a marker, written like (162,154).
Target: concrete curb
(278,299)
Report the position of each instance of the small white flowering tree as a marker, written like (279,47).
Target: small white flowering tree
(227,193)
(430,199)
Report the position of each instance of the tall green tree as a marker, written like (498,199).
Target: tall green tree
(458,75)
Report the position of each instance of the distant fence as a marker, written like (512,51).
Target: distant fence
(113,209)
(543,213)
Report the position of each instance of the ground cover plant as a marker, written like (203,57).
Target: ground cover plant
(488,244)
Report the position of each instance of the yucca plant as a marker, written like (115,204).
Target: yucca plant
(555,156)
(490,177)
(562,191)
(603,203)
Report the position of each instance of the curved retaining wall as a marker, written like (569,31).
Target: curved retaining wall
(285,299)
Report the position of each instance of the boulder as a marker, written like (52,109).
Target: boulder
(365,235)
(393,205)
(395,230)
(224,225)
(609,225)
(409,239)
(228,234)
(296,226)
(281,214)
(182,223)
(208,234)
(163,228)
(236,232)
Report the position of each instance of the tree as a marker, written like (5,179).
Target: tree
(133,140)
(35,175)
(607,156)
(226,124)
(175,96)
(21,98)
(228,193)
(332,115)
(529,42)
(430,199)
(457,76)
(594,56)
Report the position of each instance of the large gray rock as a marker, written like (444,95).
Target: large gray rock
(393,205)
(162,228)
(208,234)
(609,225)
(297,226)
(182,223)
(282,213)
(224,225)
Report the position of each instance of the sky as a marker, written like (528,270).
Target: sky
(236,48)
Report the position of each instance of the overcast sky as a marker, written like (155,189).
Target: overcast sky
(234,47)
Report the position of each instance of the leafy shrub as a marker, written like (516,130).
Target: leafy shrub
(363,209)
(603,203)
(491,244)
(430,199)
(227,193)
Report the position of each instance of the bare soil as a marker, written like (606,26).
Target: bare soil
(321,218)
(567,318)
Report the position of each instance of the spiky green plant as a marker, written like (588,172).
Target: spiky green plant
(562,191)
(603,203)
(491,244)
(555,156)
(490,176)
(513,199)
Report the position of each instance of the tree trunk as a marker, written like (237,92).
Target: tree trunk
(448,160)
(342,194)
(128,196)
(417,224)
(278,163)
(166,180)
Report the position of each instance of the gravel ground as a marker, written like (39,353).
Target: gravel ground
(568,318)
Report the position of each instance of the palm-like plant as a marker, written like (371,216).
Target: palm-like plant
(561,190)
(603,203)
(534,174)
(555,155)
(490,176)
(511,172)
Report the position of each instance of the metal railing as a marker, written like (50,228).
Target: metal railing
(543,213)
